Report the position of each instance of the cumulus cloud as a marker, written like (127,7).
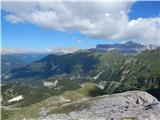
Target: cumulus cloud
(106,20)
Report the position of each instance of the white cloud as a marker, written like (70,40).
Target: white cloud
(13,19)
(147,30)
(80,41)
(107,20)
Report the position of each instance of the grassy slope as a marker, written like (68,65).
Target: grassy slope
(139,72)
(38,94)
(53,103)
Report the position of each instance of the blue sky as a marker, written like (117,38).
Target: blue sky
(31,36)
(27,35)
(145,9)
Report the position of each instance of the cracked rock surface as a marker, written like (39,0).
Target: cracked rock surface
(131,105)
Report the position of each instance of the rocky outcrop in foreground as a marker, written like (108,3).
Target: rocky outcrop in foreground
(131,105)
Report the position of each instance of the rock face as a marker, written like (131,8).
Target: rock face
(128,47)
(131,105)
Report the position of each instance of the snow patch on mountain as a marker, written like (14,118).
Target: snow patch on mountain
(18,98)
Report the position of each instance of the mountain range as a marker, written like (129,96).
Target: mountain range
(21,58)
(102,72)
(18,60)
(129,47)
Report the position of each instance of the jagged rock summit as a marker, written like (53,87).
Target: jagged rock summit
(131,105)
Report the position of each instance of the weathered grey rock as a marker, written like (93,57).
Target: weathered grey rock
(132,105)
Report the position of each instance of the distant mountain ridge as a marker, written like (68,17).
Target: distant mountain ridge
(129,47)
(16,60)
(59,50)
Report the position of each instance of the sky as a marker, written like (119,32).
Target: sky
(41,25)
